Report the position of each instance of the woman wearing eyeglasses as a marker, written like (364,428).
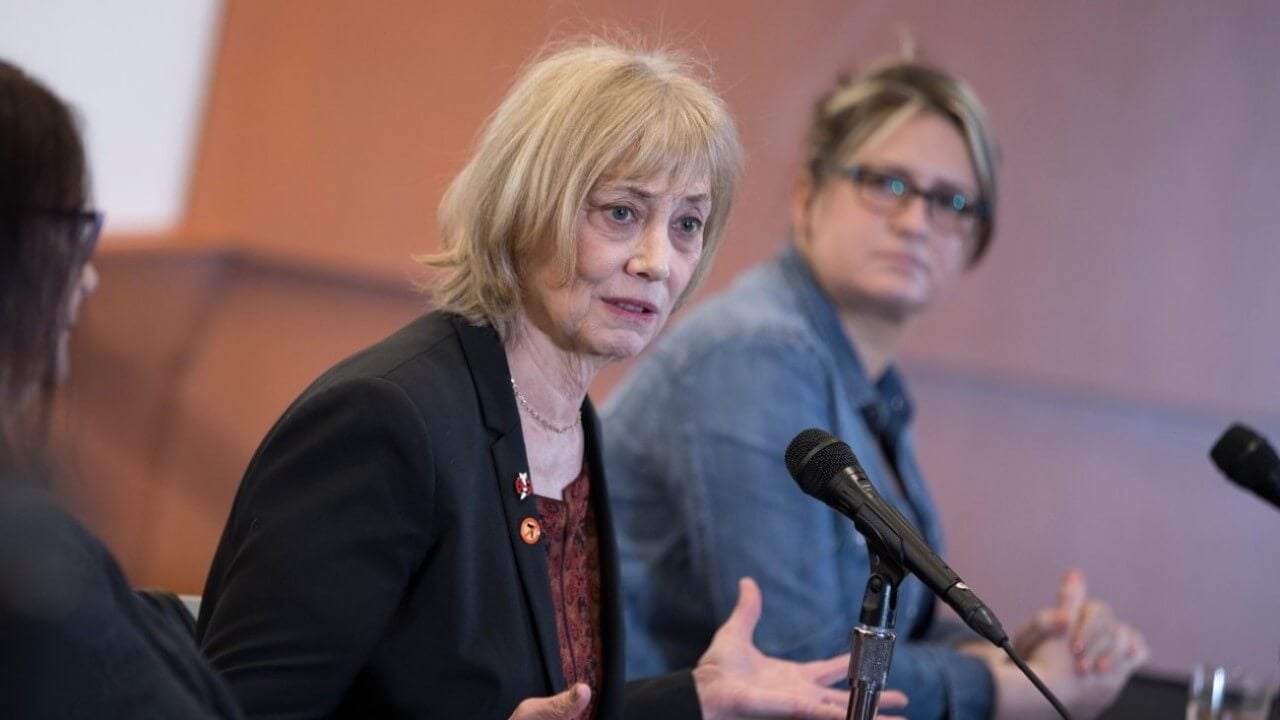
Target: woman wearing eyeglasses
(46,239)
(896,199)
(75,642)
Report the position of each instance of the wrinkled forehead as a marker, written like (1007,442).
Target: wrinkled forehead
(663,184)
(672,181)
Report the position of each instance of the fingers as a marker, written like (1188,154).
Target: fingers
(1103,652)
(827,672)
(893,699)
(1072,593)
(746,614)
(1134,653)
(1048,623)
(572,702)
(1140,652)
(565,706)
(1094,637)
(1093,620)
(1099,642)
(1106,644)
(826,705)
(1120,651)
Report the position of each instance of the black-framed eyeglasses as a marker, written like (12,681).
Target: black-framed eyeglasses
(888,192)
(88,228)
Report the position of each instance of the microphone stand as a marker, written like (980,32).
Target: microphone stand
(871,647)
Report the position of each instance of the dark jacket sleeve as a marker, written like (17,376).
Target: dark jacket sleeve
(329,524)
(670,697)
(75,642)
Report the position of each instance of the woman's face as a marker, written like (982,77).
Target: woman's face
(638,244)
(83,283)
(893,264)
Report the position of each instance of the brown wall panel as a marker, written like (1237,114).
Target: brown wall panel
(131,349)
(186,359)
(1131,249)
(1033,482)
(274,331)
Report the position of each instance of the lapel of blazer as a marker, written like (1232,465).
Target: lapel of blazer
(611,623)
(492,377)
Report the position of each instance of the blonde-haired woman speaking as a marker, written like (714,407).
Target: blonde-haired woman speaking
(425,533)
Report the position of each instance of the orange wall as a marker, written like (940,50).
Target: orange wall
(1134,139)
(1070,389)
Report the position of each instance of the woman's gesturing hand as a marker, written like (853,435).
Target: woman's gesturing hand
(734,679)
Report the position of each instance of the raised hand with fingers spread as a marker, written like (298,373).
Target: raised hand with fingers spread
(734,679)
(1077,647)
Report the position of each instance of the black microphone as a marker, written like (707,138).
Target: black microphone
(1248,460)
(826,468)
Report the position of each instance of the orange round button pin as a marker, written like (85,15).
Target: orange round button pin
(530,530)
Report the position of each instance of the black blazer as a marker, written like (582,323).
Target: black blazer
(372,564)
(75,641)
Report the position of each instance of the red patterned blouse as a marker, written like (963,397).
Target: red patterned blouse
(573,559)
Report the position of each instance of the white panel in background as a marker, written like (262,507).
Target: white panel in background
(137,73)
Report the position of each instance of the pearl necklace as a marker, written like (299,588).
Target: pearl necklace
(538,418)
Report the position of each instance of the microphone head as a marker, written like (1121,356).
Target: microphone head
(1233,447)
(1247,459)
(813,459)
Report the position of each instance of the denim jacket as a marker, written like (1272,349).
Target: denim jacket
(694,439)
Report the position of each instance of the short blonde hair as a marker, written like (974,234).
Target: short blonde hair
(581,115)
(861,108)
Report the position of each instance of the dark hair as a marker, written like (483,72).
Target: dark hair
(859,106)
(42,171)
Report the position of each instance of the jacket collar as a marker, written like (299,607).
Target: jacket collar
(488,362)
(886,401)
(491,377)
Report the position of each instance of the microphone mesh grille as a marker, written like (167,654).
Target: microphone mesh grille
(1232,447)
(1248,459)
(814,470)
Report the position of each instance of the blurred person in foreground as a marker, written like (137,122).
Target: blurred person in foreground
(896,198)
(75,640)
(425,533)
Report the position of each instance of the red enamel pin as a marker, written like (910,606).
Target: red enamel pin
(524,488)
